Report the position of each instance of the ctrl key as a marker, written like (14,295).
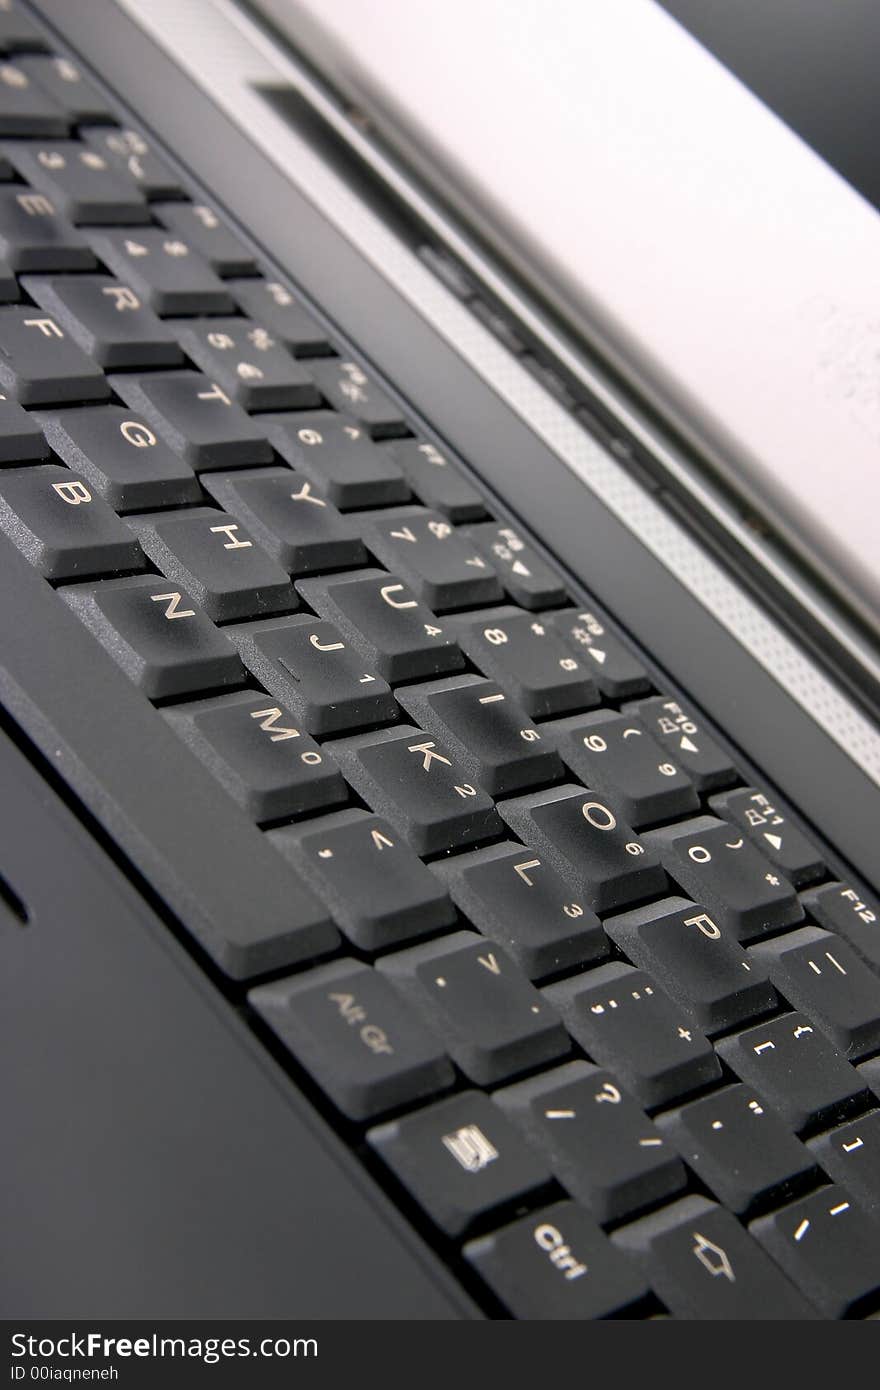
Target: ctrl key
(354,1034)
(459,1159)
(556,1264)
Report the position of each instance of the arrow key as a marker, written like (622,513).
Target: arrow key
(491,1020)
(702,1264)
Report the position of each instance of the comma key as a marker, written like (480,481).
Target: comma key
(378,890)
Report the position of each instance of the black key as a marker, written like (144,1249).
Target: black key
(492,1021)
(203,229)
(63,528)
(21,438)
(249,364)
(614,669)
(378,891)
(625,1022)
(703,1265)
(615,755)
(197,418)
(680,730)
(599,1143)
(522,903)
(527,578)
(79,182)
(853,915)
(525,656)
(40,365)
(583,838)
(25,109)
(436,480)
(777,839)
(819,974)
(488,734)
(827,1247)
(301,530)
(163,271)
(410,778)
(201,853)
(870,1073)
(795,1069)
(254,747)
(348,388)
(354,1034)
(9,290)
(850,1155)
(434,559)
(120,457)
(157,635)
(459,1160)
(338,458)
(499,326)
(63,81)
(17,32)
(708,975)
(396,634)
(216,561)
(33,236)
(739,1148)
(556,1264)
(717,866)
(271,303)
(107,320)
(305,663)
(131,152)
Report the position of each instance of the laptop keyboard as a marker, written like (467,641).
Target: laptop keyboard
(596,1011)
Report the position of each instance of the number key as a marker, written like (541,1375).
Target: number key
(615,755)
(435,559)
(527,658)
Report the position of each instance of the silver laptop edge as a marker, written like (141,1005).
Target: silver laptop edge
(229,57)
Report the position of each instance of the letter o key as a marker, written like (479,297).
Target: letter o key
(598,815)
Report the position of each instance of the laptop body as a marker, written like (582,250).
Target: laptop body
(364,268)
